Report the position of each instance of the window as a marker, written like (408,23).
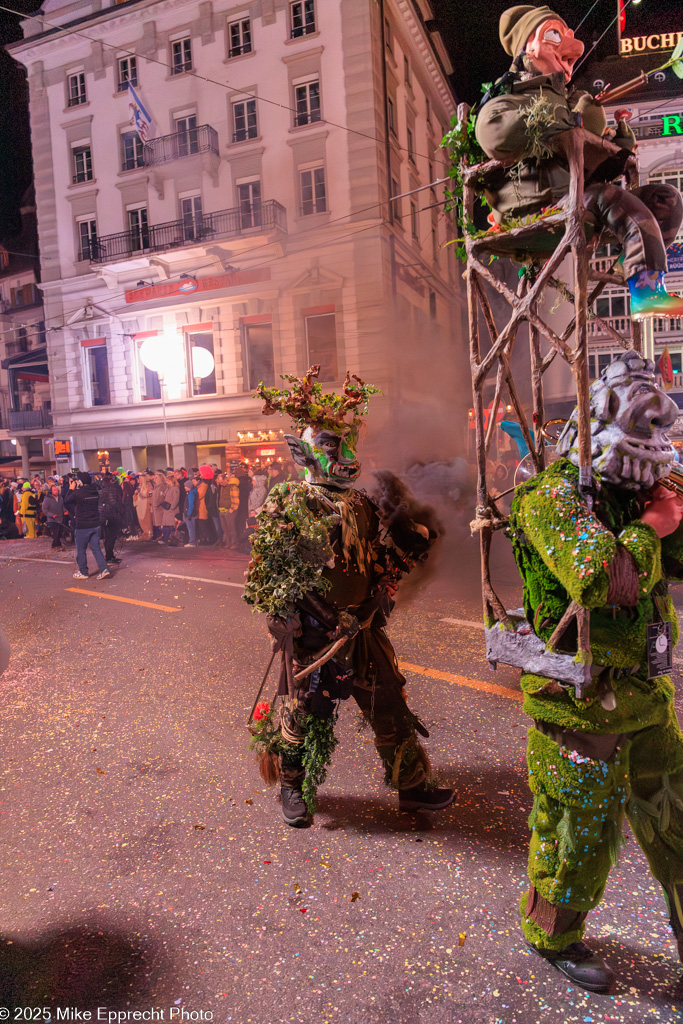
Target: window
(150,385)
(244,121)
(414,220)
(313,198)
(615,303)
(411,145)
(388,36)
(307,103)
(301,18)
(239,37)
(186,130)
(391,115)
(132,151)
(396,203)
(597,362)
(676,365)
(430,173)
(82,163)
(672,176)
(258,352)
(321,342)
(407,73)
(128,72)
(249,199)
(181,56)
(191,214)
(26,295)
(435,244)
(87,238)
(428,111)
(75,88)
(432,305)
(98,373)
(138,228)
(202,385)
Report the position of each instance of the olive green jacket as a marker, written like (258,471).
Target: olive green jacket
(501,131)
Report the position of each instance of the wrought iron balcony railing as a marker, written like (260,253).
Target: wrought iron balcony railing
(268,216)
(203,139)
(30,419)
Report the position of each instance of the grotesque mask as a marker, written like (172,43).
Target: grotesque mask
(629,417)
(328,456)
(553,48)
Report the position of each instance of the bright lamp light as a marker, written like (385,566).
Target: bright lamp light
(202,362)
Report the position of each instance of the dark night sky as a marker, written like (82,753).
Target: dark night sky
(470,31)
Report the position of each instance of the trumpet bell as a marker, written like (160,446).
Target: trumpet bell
(526,468)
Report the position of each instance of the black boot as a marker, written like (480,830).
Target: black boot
(581,965)
(294,809)
(423,798)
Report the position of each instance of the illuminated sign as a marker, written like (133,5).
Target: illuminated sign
(649,44)
(263,452)
(671,124)
(62,449)
(203,284)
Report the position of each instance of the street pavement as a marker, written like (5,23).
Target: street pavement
(145,865)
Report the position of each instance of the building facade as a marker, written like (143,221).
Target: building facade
(257,225)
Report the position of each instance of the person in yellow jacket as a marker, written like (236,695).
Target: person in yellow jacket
(27,509)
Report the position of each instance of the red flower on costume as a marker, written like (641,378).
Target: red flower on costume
(261,710)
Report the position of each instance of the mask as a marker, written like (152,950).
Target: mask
(553,48)
(629,417)
(328,456)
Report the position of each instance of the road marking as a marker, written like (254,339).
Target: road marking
(473,684)
(201,579)
(463,622)
(124,600)
(22,558)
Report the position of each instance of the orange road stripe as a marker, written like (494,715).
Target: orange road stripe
(125,600)
(473,684)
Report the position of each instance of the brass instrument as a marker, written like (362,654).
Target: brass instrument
(674,481)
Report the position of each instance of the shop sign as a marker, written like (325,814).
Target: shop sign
(629,45)
(204,284)
(62,449)
(265,452)
(671,124)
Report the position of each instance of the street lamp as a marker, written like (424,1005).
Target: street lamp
(164,355)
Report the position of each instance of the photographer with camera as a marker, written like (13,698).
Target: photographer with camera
(82,500)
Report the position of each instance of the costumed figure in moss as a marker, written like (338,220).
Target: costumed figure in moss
(326,560)
(619,748)
(521,121)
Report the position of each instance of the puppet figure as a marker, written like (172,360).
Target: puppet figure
(521,122)
(325,562)
(619,748)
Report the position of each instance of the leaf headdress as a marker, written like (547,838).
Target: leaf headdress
(309,405)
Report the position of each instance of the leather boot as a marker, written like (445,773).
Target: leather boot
(423,798)
(294,809)
(581,965)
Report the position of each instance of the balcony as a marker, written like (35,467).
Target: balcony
(174,147)
(265,219)
(663,327)
(30,419)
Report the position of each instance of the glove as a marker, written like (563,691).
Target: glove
(348,626)
(592,115)
(624,136)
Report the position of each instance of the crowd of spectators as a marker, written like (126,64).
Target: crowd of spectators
(203,506)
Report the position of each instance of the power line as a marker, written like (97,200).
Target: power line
(210,81)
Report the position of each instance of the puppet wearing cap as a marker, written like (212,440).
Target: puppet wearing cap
(519,125)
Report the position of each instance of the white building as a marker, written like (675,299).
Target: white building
(253,223)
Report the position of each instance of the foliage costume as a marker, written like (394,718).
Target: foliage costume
(325,560)
(619,749)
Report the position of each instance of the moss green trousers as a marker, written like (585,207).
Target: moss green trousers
(579,804)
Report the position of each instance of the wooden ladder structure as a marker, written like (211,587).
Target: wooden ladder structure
(492,360)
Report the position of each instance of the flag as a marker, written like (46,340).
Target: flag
(139,118)
(666,369)
(622,16)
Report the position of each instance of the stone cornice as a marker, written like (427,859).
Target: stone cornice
(426,50)
(37,47)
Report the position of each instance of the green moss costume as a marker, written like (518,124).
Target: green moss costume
(590,761)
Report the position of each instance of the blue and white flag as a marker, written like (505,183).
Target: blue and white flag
(139,118)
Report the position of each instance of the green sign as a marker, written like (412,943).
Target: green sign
(671,124)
